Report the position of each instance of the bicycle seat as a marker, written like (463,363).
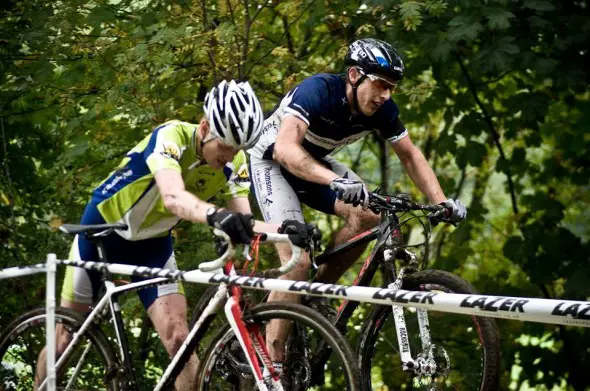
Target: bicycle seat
(91,229)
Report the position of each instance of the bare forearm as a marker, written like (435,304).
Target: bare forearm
(261,226)
(424,177)
(300,163)
(242,205)
(186,206)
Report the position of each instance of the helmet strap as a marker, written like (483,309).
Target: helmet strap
(209,137)
(355,101)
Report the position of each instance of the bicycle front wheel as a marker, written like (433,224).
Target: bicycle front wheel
(465,349)
(224,365)
(91,366)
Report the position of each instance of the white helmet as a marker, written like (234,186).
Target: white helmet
(234,114)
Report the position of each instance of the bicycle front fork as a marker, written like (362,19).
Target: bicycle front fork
(254,345)
(423,362)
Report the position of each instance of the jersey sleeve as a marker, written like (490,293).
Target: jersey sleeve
(165,147)
(238,184)
(391,127)
(305,101)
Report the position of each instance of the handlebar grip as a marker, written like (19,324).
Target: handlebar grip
(295,254)
(270,237)
(219,262)
(438,216)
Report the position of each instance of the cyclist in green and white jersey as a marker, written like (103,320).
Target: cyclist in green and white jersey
(170,175)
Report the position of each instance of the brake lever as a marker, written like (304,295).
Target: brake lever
(437,217)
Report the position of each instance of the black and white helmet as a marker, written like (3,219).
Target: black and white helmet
(234,114)
(376,57)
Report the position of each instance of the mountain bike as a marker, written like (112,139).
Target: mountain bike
(409,348)
(91,361)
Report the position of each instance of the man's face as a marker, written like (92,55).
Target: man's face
(217,154)
(372,93)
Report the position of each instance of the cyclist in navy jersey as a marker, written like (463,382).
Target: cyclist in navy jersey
(291,162)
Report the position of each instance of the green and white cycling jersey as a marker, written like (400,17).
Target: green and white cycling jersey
(130,195)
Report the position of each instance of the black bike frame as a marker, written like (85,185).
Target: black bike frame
(387,227)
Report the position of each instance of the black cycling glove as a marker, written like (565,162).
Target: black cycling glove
(237,226)
(301,234)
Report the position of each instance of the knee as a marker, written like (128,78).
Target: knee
(62,339)
(362,220)
(301,269)
(369,219)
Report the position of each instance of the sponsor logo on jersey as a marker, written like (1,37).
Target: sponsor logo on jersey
(200,185)
(268,126)
(118,178)
(242,175)
(329,121)
(268,181)
(170,150)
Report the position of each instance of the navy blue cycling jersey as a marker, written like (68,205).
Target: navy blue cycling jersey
(321,102)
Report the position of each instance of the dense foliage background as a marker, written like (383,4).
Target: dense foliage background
(496,96)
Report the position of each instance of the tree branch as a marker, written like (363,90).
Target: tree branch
(493,132)
(311,3)
(247,25)
(10,191)
(496,79)
(211,41)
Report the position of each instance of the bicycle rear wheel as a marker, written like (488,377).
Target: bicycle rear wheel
(23,343)
(467,349)
(224,366)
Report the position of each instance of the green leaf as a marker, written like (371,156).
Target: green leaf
(498,18)
(513,249)
(436,7)
(518,156)
(442,51)
(473,154)
(503,165)
(539,5)
(410,14)
(467,31)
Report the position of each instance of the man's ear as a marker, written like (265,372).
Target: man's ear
(203,128)
(353,75)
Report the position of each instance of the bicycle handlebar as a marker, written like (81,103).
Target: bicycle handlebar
(402,203)
(266,237)
(219,262)
(296,253)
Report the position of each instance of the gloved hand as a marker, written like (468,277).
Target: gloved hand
(237,226)
(351,191)
(301,234)
(456,211)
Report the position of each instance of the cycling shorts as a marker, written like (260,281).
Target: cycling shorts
(82,286)
(279,193)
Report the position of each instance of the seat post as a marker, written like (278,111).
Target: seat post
(102,256)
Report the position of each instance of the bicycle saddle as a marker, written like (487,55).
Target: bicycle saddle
(90,229)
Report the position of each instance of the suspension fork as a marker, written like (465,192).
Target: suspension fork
(408,363)
(399,319)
